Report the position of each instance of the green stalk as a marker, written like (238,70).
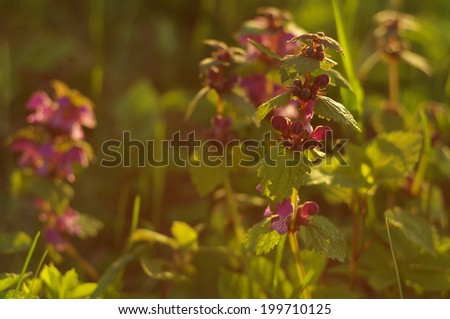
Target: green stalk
(356,232)
(422,169)
(393,84)
(38,269)
(277,266)
(397,274)
(27,262)
(237,224)
(295,249)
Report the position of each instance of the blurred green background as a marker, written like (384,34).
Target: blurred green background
(138,61)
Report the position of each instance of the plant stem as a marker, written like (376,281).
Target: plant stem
(356,225)
(295,249)
(277,266)
(299,269)
(87,267)
(397,274)
(237,224)
(393,84)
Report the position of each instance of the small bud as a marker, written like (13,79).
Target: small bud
(320,34)
(297,128)
(281,124)
(321,81)
(305,94)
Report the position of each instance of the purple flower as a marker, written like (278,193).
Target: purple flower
(220,130)
(259,89)
(69,118)
(299,134)
(66,115)
(50,159)
(42,106)
(281,216)
(58,226)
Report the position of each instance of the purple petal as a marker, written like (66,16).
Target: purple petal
(309,209)
(320,133)
(280,225)
(285,208)
(259,188)
(267,212)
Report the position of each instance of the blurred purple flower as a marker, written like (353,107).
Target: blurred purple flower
(48,159)
(66,115)
(57,227)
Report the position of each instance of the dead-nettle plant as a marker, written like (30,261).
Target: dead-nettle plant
(290,90)
(51,148)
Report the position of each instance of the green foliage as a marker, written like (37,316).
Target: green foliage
(280,171)
(330,109)
(277,101)
(8,280)
(59,286)
(265,50)
(14,242)
(260,240)
(294,65)
(185,236)
(393,155)
(207,178)
(415,228)
(193,104)
(324,237)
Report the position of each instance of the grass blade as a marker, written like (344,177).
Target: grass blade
(397,274)
(27,262)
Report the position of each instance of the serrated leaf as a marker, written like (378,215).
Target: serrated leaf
(324,237)
(185,235)
(14,242)
(260,240)
(415,228)
(393,155)
(192,105)
(294,65)
(277,101)
(281,170)
(265,49)
(330,109)
(416,61)
(327,64)
(206,178)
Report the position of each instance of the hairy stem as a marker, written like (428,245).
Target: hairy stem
(237,224)
(295,249)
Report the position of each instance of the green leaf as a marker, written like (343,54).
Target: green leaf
(324,237)
(332,110)
(416,61)
(8,280)
(277,101)
(185,235)
(265,49)
(414,227)
(150,236)
(393,155)
(204,177)
(114,269)
(281,170)
(193,104)
(14,242)
(260,239)
(294,65)
(327,64)
(82,290)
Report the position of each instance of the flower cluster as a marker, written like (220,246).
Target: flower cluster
(53,144)
(59,226)
(272,29)
(282,215)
